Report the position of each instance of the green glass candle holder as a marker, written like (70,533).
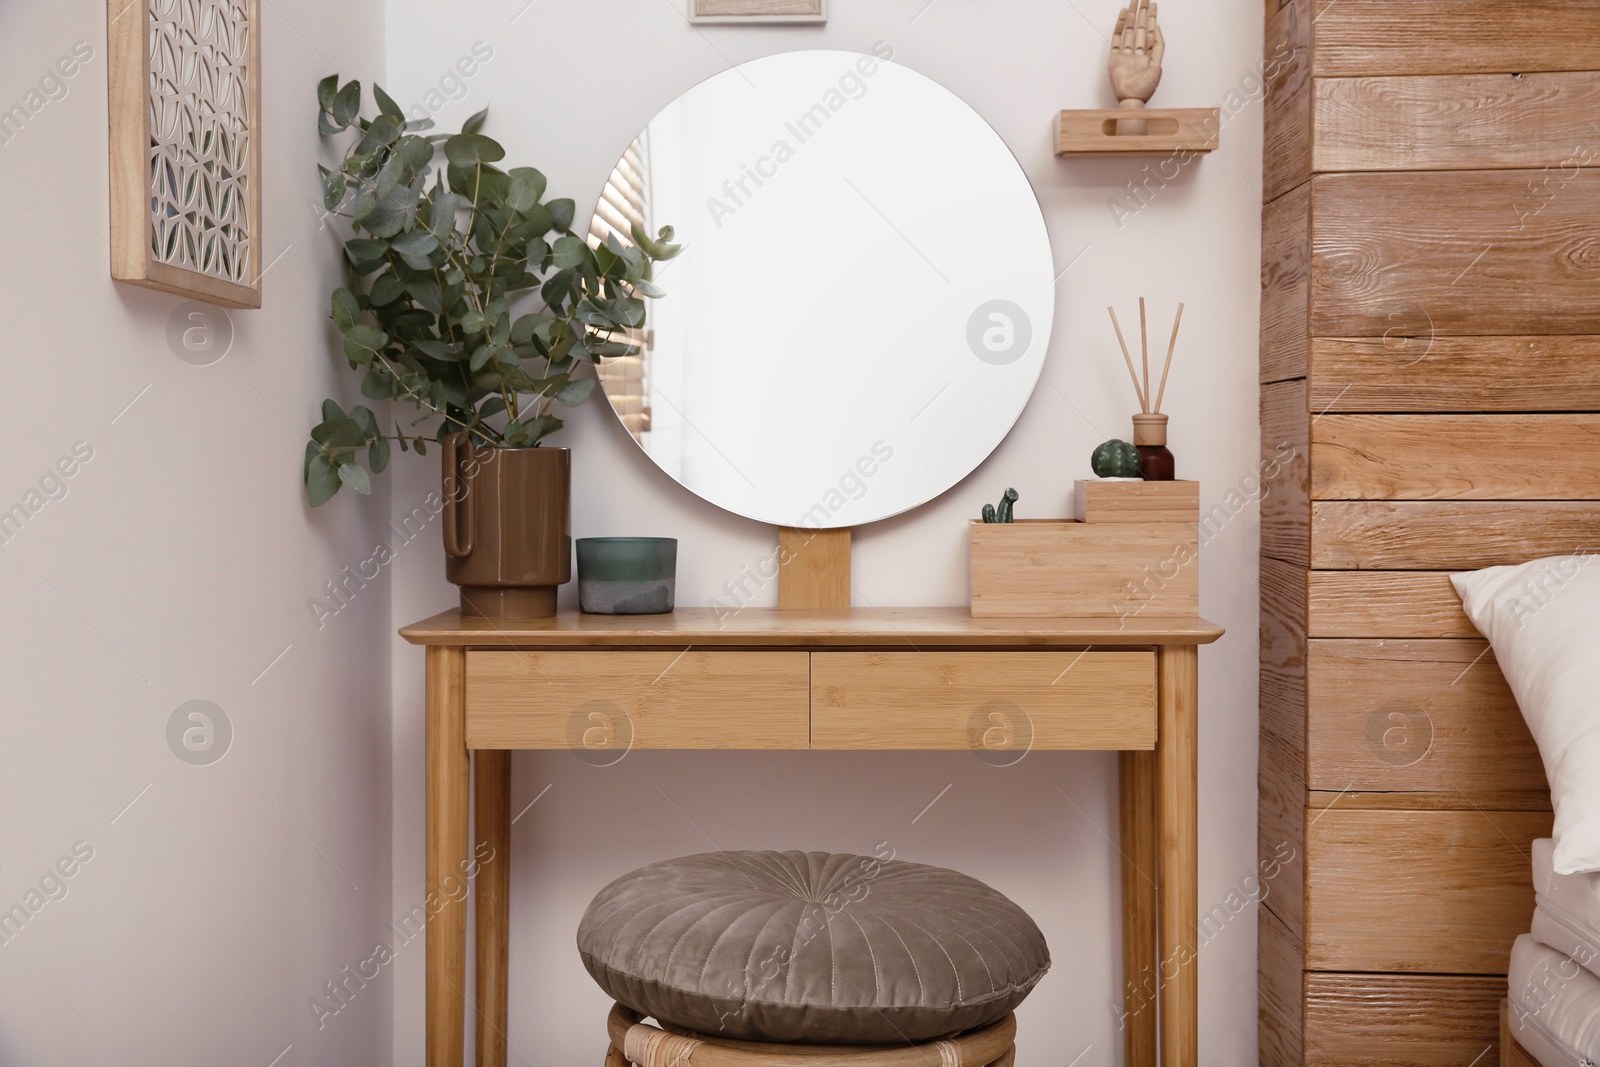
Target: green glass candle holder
(627,575)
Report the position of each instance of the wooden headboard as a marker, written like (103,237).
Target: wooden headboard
(1430,369)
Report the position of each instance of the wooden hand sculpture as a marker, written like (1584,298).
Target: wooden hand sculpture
(1135,66)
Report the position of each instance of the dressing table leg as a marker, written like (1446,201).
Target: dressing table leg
(491,817)
(1137,811)
(448,772)
(1177,820)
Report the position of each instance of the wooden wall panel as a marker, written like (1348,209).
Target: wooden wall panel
(1414,716)
(1281,774)
(1381,37)
(1283,646)
(1456,457)
(1429,309)
(1281,1006)
(1286,474)
(1397,373)
(1395,1020)
(1384,604)
(1459,122)
(1439,535)
(1470,252)
(1422,891)
(1285,284)
(1286,115)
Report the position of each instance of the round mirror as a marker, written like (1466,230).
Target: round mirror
(864,299)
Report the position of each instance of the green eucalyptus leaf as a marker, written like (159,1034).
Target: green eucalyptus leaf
(416,151)
(338,433)
(574,393)
(364,249)
(472,321)
(524,189)
(384,219)
(326,88)
(442,208)
(527,327)
(386,104)
(437,349)
(561,212)
(542,427)
(346,309)
(331,410)
(321,479)
(378,454)
(648,288)
(417,262)
(355,476)
(333,187)
(570,251)
(471,149)
(363,342)
(629,311)
(365,419)
(346,103)
(481,357)
(386,289)
(376,384)
(415,243)
(426,293)
(475,121)
(381,133)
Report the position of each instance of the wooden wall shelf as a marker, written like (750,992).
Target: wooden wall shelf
(1092,131)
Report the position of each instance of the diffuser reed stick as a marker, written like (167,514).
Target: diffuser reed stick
(1141,387)
(1160,392)
(1144,357)
(1133,375)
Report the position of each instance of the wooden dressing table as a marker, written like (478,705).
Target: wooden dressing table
(927,678)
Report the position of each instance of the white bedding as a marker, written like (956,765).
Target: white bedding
(1568,915)
(1555,1006)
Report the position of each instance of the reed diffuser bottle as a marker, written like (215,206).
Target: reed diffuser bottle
(1150,439)
(1150,426)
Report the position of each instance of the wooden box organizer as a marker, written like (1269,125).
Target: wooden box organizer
(1134,551)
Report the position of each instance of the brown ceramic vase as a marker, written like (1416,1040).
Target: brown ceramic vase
(507,527)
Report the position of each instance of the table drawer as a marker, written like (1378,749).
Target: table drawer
(651,699)
(991,702)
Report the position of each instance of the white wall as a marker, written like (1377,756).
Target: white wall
(1038,831)
(177,567)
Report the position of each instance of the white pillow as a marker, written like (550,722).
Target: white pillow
(1543,620)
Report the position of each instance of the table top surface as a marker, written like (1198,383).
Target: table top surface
(791,628)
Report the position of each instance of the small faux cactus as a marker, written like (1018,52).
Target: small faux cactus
(1003,512)
(1115,459)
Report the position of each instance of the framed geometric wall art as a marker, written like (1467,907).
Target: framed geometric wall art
(714,11)
(185,112)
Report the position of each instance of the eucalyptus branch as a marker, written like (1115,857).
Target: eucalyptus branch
(405,323)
